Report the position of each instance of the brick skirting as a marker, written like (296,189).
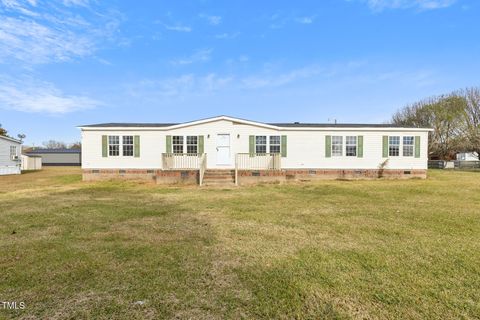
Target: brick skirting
(256,176)
(246,177)
(149,175)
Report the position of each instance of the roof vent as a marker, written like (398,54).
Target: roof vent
(296,122)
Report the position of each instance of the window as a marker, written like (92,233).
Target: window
(113,146)
(127,146)
(408,146)
(192,144)
(177,144)
(394,146)
(351,146)
(337,146)
(261,144)
(13,151)
(274,144)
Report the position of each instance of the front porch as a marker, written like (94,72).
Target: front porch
(213,175)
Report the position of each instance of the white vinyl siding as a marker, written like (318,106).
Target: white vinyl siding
(8,150)
(306,148)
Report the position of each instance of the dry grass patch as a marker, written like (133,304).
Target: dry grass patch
(331,249)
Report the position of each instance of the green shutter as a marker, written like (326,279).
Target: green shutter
(328,146)
(360,146)
(104,146)
(251,146)
(136,146)
(284,146)
(168,148)
(201,148)
(385,146)
(417,146)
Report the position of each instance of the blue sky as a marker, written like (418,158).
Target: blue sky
(70,62)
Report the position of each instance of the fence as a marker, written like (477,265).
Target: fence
(203,168)
(460,165)
(257,161)
(182,161)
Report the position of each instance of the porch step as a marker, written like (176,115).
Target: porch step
(218,177)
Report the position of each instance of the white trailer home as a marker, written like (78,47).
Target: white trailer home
(230,150)
(10,150)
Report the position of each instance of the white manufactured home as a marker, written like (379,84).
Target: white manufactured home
(10,149)
(224,149)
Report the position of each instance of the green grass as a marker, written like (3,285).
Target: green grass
(335,249)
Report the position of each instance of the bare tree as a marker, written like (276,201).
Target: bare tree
(75,145)
(445,115)
(53,144)
(472,119)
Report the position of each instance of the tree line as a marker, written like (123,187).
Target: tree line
(50,144)
(454,118)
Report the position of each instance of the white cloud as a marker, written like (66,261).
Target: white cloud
(305,20)
(379,5)
(178,28)
(33,96)
(80,3)
(198,56)
(212,20)
(178,87)
(350,74)
(31,42)
(280,79)
(226,35)
(38,31)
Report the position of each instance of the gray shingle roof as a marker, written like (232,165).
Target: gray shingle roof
(281,125)
(335,125)
(126,125)
(37,151)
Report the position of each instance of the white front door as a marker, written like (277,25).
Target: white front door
(223,149)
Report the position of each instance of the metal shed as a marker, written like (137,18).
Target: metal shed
(58,157)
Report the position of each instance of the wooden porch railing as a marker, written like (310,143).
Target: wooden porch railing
(203,168)
(256,161)
(182,161)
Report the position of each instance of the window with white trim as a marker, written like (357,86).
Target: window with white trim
(260,144)
(192,144)
(408,143)
(127,146)
(394,146)
(274,144)
(13,152)
(351,146)
(177,144)
(337,146)
(113,146)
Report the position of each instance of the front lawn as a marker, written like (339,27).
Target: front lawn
(335,249)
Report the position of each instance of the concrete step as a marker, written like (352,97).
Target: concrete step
(217,177)
(219,183)
(219,173)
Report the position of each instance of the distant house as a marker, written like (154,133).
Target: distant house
(239,151)
(10,155)
(58,157)
(467,156)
